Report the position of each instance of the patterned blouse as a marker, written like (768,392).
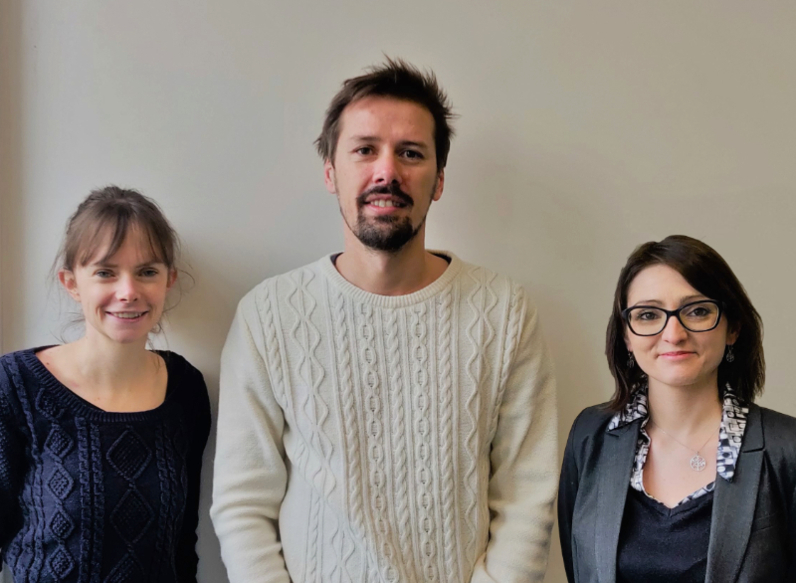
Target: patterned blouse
(733,424)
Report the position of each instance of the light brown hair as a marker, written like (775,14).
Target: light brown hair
(397,79)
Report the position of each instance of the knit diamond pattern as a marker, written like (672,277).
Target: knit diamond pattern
(93,497)
(391,409)
(132,516)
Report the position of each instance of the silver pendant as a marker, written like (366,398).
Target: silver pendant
(698,463)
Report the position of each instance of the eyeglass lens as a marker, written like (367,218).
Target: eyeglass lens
(696,317)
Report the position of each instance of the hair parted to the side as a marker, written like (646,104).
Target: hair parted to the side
(707,272)
(400,80)
(106,216)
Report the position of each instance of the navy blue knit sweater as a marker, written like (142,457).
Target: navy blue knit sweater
(88,496)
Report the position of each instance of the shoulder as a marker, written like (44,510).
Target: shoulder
(481,285)
(267,294)
(779,431)
(15,367)
(17,378)
(189,385)
(591,421)
(183,373)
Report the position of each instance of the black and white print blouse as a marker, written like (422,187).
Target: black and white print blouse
(733,424)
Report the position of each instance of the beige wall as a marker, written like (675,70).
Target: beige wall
(586,128)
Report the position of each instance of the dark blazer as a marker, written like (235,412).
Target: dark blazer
(753,528)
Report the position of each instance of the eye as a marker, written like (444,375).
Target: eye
(103,273)
(412,155)
(364,151)
(646,315)
(149,272)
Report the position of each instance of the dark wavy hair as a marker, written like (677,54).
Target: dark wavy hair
(397,79)
(706,271)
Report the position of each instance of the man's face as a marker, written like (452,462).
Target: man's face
(384,171)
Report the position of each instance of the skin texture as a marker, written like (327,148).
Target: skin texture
(110,366)
(385,152)
(384,142)
(683,389)
(130,281)
(675,357)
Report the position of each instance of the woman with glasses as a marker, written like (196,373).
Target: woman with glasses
(680,477)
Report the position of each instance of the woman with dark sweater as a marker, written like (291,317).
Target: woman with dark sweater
(101,440)
(680,477)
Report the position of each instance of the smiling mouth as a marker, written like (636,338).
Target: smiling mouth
(127,315)
(386,203)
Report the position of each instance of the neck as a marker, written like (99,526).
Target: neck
(390,274)
(685,411)
(113,366)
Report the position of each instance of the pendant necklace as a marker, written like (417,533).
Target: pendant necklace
(697,462)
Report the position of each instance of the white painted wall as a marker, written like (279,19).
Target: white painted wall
(586,128)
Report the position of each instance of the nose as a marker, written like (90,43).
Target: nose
(387,169)
(674,333)
(127,289)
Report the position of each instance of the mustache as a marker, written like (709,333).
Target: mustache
(392,189)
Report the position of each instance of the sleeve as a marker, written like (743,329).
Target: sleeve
(250,474)
(567,493)
(524,460)
(12,462)
(187,560)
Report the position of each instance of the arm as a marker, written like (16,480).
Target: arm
(250,475)
(524,463)
(12,462)
(567,493)
(186,558)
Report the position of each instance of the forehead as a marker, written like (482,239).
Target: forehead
(136,246)
(659,282)
(387,118)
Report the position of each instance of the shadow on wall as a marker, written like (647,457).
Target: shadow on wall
(11,120)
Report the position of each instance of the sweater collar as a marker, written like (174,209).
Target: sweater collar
(359,295)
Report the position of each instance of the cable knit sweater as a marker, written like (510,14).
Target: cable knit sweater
(88,496)
(385,438)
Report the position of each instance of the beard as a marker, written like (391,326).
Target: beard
(386,233)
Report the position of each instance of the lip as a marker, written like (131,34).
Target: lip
(677,355)
(123,320)
(398,204)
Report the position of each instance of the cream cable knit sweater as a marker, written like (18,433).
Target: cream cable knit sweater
(371,438)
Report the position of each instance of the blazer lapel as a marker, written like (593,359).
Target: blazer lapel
(616,464)
(734,506)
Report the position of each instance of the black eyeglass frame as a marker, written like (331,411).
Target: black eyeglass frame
(676,313)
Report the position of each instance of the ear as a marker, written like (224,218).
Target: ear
(732,337)
(440,185)
(172,279)
(67,279)
(328,176)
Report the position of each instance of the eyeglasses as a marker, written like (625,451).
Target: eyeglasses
(698,316)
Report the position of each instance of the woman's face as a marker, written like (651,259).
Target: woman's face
(122,297)
(676,357)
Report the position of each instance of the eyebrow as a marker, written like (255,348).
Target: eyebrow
(683,300)
(139,266)
(376,139)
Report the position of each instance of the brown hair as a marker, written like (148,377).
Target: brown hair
(706,271)
(108,214)
(397,79)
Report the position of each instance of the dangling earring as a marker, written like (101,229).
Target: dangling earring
(729,357)
(631,361)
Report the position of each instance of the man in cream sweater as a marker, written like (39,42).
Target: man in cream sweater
(386,413)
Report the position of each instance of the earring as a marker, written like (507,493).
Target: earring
(631,361)
(729,357)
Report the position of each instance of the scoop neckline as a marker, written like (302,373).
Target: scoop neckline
(70,400)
